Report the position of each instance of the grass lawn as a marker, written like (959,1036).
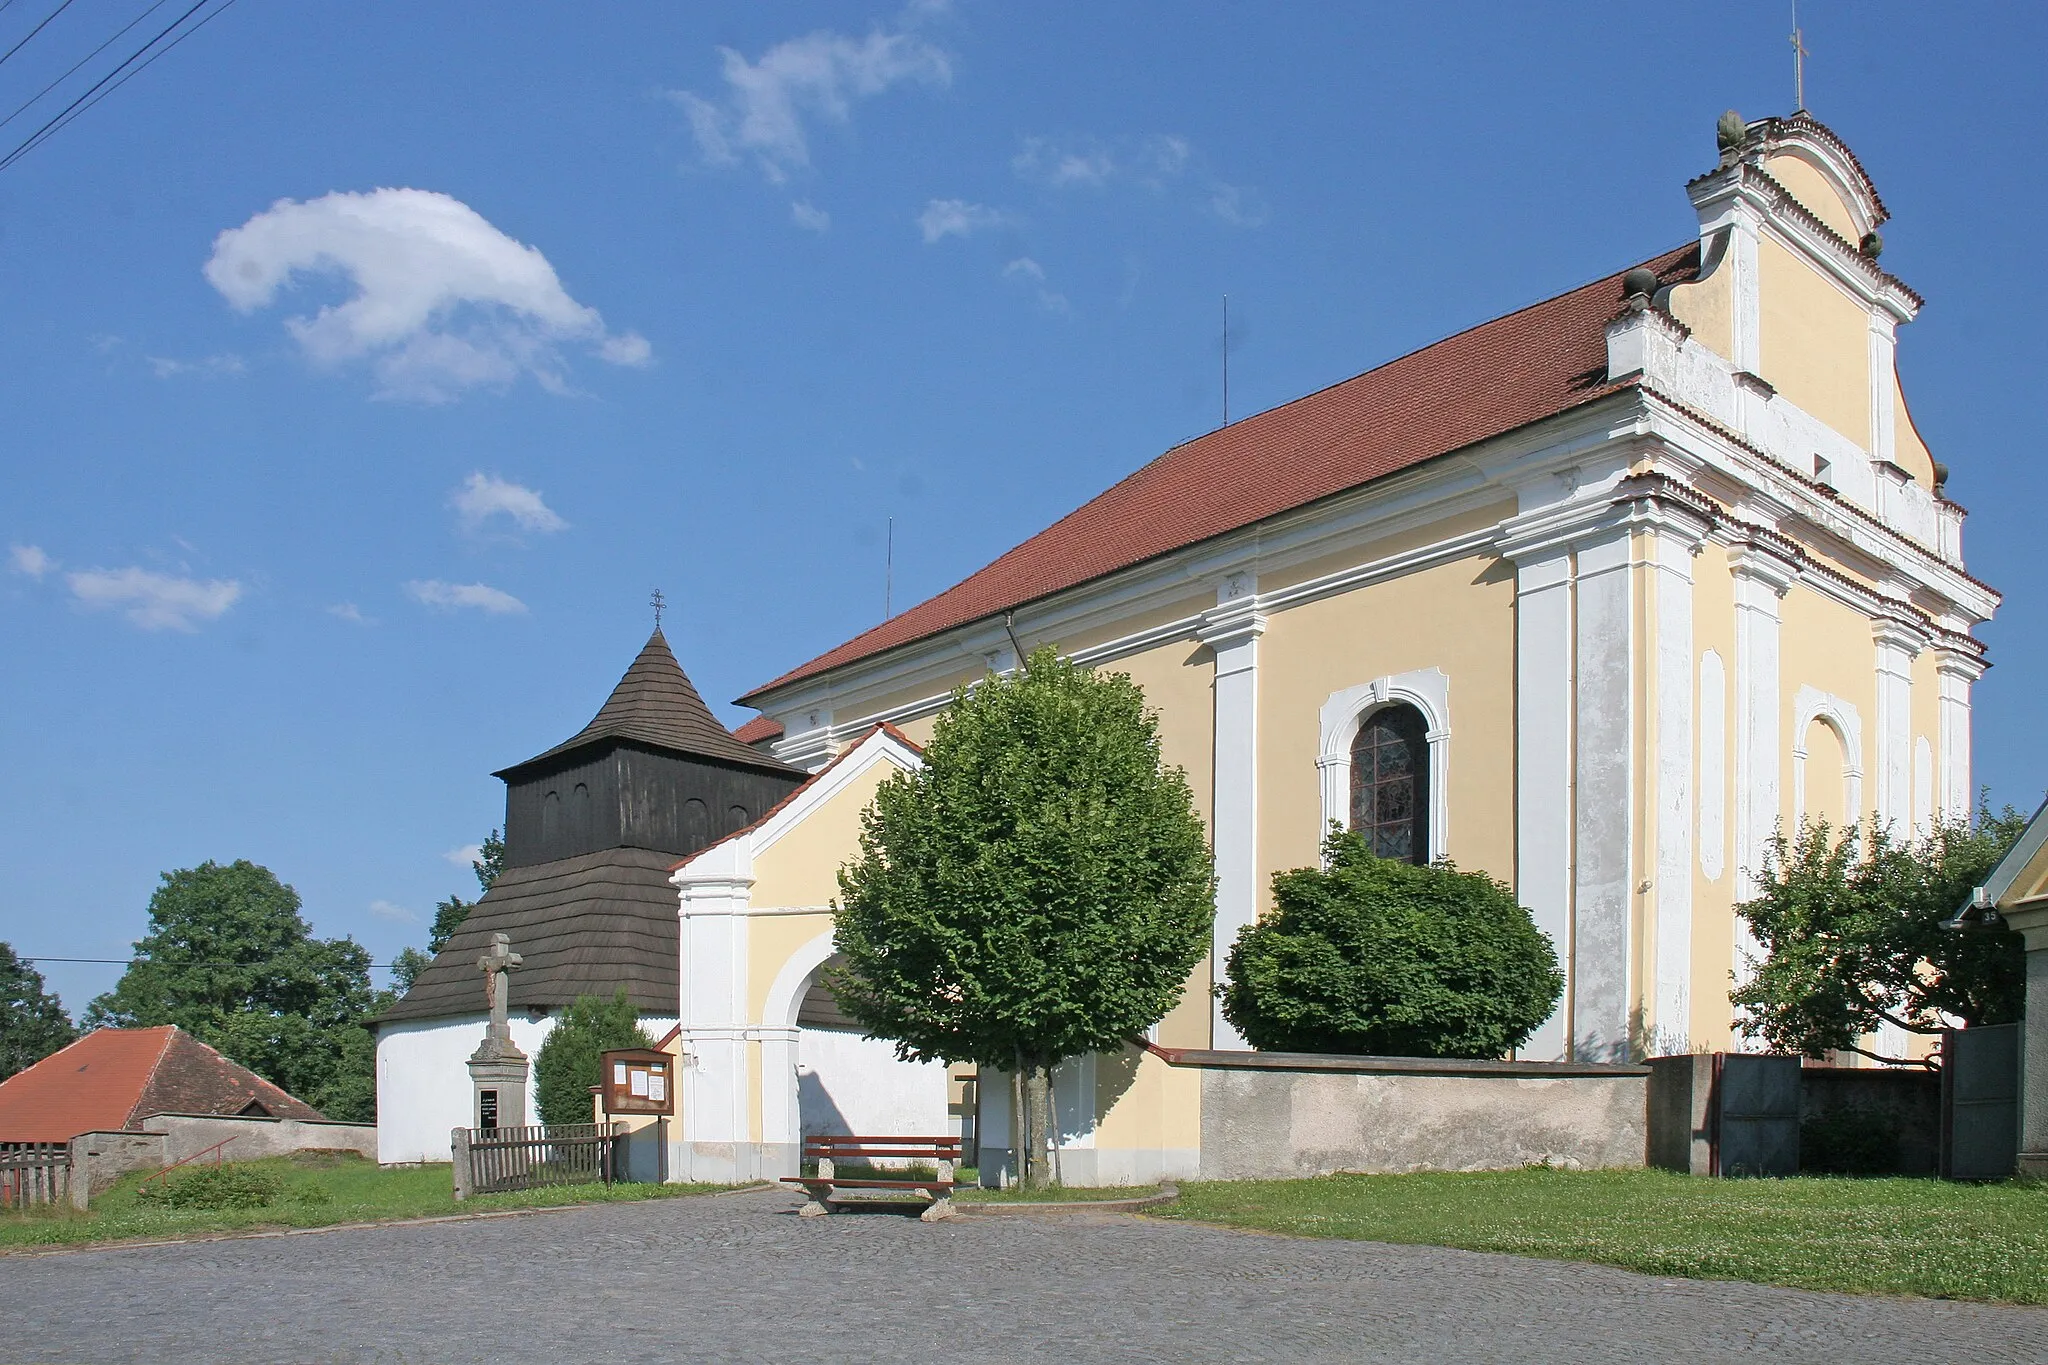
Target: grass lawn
(1893,1236)
(317,1190)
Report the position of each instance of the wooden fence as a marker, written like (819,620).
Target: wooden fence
(34,1173)
(491,1160)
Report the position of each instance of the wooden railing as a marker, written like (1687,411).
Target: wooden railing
(491,1160)
(34,1173)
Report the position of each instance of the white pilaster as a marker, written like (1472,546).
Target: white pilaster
(1897,643)
(1761,580)
(1543,766)
(714,1134)
(1232,630)
(1957,671)
(1603,808)
(1672,885)
(1884,380)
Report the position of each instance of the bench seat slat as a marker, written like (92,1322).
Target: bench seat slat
(869,1184)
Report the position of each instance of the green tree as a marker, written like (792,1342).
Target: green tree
(567,1065)
(1850,923)
(33,1023)
(229,959)
(1039,889)
(406,968)
(1372,955)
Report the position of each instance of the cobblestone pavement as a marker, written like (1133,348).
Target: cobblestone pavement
(740,1278)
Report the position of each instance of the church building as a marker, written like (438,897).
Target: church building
(1595,597)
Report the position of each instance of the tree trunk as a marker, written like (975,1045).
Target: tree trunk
(1039,1109)
(1020,1127)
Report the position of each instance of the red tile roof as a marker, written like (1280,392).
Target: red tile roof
(759,730)
(1504,374)
(113,1078)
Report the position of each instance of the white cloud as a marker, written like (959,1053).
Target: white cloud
(351,613)
(1237,206)
(483,496)
(394,914)
(30,560)
(442,301)
(464,856)
(956,218)
(1150,161)
(432,592)
(213,366)
(809,216)
(765,105)
(1033,274)
(155,601)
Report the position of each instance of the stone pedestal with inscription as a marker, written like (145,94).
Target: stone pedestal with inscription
(498,1069)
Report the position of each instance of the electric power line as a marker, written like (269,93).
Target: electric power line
(81,61)
(95,94)
(34,31)
(132,961)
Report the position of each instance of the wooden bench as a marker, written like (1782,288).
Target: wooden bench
(828,1151)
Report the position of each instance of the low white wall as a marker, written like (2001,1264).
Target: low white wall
(423,1088)
(847,1084)
(187,1135)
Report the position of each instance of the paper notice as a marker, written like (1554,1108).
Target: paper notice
(657,1088)
(640,1084)
(618,1073)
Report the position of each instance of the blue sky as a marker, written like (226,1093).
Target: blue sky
(698,296)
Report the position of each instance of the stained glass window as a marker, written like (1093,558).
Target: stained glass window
(1390,784)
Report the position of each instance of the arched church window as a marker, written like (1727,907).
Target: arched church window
(1390,783)
(737,817)
(696,824)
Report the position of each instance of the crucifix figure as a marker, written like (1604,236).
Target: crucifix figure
(497,989)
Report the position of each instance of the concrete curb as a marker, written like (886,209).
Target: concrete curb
(247,1235)
(1168,1192)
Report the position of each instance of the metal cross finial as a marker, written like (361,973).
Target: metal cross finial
(658,602)
(1799,55)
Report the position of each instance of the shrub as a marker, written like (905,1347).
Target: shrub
(227,1186)
(1370,955)
(568,1062)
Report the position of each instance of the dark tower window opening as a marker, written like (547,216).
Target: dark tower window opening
(1390,783)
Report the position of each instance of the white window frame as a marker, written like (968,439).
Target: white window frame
(1428,690)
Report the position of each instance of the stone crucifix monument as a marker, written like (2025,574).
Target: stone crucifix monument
(498,1069)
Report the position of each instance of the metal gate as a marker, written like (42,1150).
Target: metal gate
(1980,1102)
(1756,1114)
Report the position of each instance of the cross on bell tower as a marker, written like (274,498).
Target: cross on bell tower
(657,601)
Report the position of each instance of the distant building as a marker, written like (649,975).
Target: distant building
(114,1078)
(593,828)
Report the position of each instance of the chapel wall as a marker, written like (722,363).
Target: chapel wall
(1814,342)
(1829,647)
(802,867)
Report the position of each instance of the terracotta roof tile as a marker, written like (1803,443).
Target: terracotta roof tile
(759,730)
(113,1078)
(1504,374)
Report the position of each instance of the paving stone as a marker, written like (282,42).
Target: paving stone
(741,1278)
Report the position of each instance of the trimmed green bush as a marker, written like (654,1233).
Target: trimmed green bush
(568,1062)
(1373,956)
(227,1186)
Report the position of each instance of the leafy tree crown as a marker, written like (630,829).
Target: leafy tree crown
(33,1023)
(567,1065)
(1850,924)
(1040,888)
(1375,956)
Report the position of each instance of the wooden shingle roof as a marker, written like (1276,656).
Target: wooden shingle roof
(583,925)
(1531,364)
(656,704)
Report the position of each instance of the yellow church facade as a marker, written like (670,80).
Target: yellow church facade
(1596,597)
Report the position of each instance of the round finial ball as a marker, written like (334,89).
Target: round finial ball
(1641,280)
(1872,244)
(1731,130)
(1940,474)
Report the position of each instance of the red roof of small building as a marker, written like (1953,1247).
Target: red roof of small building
(1504,374)
(114,1078)
(759,730)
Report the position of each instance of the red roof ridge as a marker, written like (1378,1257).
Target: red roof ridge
(170,1032)
(1539,360)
